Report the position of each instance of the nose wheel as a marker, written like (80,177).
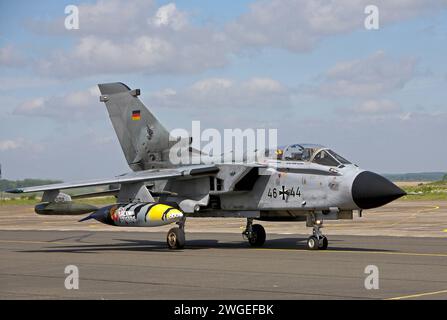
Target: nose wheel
(313,243)
(317,241)
(254,233)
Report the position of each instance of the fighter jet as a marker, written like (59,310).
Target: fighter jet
(300,182)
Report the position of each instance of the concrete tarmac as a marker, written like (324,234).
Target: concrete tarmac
(405,240)
(400,218)
(136,265)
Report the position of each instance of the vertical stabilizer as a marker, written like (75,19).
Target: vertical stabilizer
(142,137)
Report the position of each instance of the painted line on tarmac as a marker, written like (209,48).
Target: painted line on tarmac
(430,209)
(418,295)
(414,215)
(364,252)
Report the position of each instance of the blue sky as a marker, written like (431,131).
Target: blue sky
(308,68)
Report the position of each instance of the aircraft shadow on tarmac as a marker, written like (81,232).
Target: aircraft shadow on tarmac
(297,244)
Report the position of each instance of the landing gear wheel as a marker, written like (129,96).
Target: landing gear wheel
(257,235)
(313,243)
(175,238)
(323,243)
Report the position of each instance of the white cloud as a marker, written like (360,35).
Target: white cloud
(64,156)
(146,54)
(377,107)
(212,85)
(382,144)
(115,37)
(74,105)
(169,16)
(265,85)
(92,55)
(370,76)
(6,145)
(372,108)
(221,93)
(11,57)
(299,25)
(105,18)
(32,106)
(8,83)
(20,144)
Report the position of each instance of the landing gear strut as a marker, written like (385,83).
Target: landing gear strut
(176,236)
(317,241)
(254,233)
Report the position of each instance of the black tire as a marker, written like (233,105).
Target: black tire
(312,243)
(175,238)
(257,237)
(324,243)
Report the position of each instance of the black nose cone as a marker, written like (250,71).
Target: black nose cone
(370,190)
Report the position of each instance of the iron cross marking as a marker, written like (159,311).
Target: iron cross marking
(284,192)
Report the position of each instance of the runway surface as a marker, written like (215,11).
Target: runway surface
(399,218)
(137,265)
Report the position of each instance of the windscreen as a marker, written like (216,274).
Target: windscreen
(338,157)
(325,159)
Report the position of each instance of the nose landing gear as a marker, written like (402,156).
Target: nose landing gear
(317,241)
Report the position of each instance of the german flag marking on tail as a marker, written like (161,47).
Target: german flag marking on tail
(136,115)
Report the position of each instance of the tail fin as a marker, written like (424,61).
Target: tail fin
(142,137)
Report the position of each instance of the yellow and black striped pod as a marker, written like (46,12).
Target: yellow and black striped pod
(149,214)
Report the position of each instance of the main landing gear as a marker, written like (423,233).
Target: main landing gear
(254,233)
(176,236)
(317,241)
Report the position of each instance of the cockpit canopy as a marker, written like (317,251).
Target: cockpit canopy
(313,153)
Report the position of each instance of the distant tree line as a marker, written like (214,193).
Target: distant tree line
(11,184)
(420,176)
